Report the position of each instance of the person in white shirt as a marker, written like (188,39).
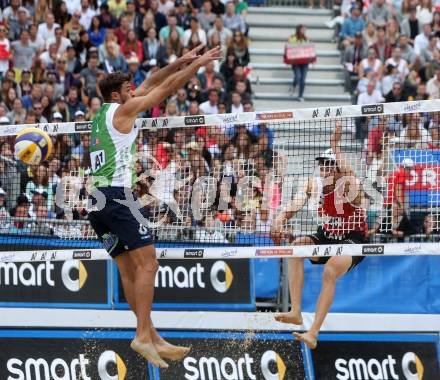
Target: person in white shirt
(210,106)
(208,234)
(397,61)
(46,30)
(371,96)
(236,106)
(61,42)
(422,40)
(194,28)
(166,6)
(87,14)
(433,85)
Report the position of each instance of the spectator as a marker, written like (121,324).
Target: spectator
(382,47)
(38,111)
(48,57)
(233,21)
(372,63)
(61,43)
(95,106)
(73,28)
(433,64)
(154,52)
(228,66)
(135,20)
(137,75)
(406,50)
(8,100)
(422,40)
(224,33)
(35,38)
(392,32)
(218,7)
(83,47)
(108,21)
(159,18)
(351,25)
(370,75)
(18,113)
(371,96)
(206,17)
(182,14)
(35,96)
(236,106)
(25,85)
(73,101)
(165,6)
(96,32)
(132,46)
(61,107)
(436,24)
(5,49)
(421,93)
(397,61)
(61,13)
(47,30)
(22,23)
(391,76)
(39,186)
(23,52)
(299,70)
(194,30)
(87,14)
(410,25)
(117,7)
(72,62)
(207,76)
(424,12)
(414,135)
(397,94)
(369,34)
(433,85)
(182,102)
(172,25)
(239,45)
(210,106)
(123,29)
(353,56)
(379,13)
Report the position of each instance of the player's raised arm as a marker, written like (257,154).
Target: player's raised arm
(289,211)
(157,78)
(127,113)
(335,144)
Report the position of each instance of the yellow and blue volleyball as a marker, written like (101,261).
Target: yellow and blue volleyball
(32,145)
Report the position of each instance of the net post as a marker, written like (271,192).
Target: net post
(285,286)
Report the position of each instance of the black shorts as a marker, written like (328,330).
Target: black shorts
(320,237)
(116,226)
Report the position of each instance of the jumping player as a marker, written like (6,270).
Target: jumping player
(342,220)
(112,154)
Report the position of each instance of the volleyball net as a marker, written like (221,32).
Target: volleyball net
(217,186)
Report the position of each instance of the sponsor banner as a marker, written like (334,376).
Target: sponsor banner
(373,249)
(71,283)
(274,115)
(372,109)
(242,356)
(194,120)
(274,252)
(193,253)
(70,355)
(378,356)
(199,285)
(83,126)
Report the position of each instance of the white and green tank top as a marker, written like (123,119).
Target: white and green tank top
(112,153)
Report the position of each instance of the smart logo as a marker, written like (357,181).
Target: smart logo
(195,276)
(217,268)
(41,275)
(74,285)
(410,359)
(374,369)
(107,358)
(71,369)
(271,366)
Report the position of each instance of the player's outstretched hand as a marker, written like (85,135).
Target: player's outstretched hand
(190,56)
(337,134)
(278,233)
(211,55)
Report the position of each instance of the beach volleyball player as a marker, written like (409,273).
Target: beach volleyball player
(112,154)
(338,198)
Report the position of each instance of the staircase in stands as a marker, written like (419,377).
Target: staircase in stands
(272,79)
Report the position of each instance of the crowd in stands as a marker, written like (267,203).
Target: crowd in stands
(53,54)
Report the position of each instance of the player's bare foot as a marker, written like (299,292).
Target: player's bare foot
(293,317)
(170,351)
(149,352)
(308,338)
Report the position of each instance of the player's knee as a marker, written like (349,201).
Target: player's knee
(329,275)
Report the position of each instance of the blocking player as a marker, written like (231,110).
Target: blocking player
(342,221)
(112,154)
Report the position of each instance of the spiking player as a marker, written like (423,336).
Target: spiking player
(342,220)
(112,154)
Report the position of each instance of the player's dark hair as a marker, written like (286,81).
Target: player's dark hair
(112,83)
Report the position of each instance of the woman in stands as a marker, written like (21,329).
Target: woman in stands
(341,218)
(300,71)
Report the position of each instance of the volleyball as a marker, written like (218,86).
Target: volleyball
(32,145)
